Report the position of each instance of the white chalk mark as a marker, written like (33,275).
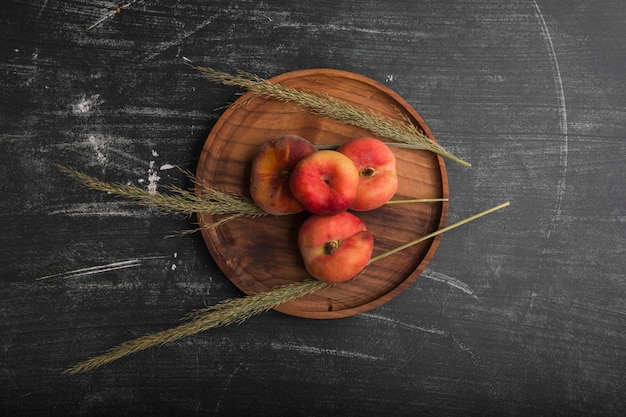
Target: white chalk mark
(153,178)
(103,146)
(126,155)
(455,340)
(94,270)
(111,14)
(330,27)
(166,167)
(431,330)
(225,388)
(558,81)
(166,45)
(43,7)
(98,143)
(320,351)
(108,209)
(100,269)
(102,20)
(446,279)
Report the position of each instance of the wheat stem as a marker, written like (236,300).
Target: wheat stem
(231,311)
(236,310)
(179,201)
(333,146)
(438,232)
(186,202)
(326,106)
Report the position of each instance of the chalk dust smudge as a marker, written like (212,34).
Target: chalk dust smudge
(85,105)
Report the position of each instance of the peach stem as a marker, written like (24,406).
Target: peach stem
(438,232)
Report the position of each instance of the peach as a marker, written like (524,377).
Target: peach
(271,168)
(376,163)
(335,248)
(325,182)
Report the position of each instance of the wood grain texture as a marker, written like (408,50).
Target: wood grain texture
(260,254)
(521,313)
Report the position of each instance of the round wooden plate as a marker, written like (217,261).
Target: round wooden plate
(259,254)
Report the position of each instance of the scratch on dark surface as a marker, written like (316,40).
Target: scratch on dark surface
(431,330)
(109,15)
(329,28)
(165,45)
(99,269)
(453,282)
(398,323)
(43,7)
(321,351)
(558,81)
(106,209)
(226,387)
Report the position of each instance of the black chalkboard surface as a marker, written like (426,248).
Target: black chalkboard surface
(519,313)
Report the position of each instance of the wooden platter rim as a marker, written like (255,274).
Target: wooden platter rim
(292,308)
